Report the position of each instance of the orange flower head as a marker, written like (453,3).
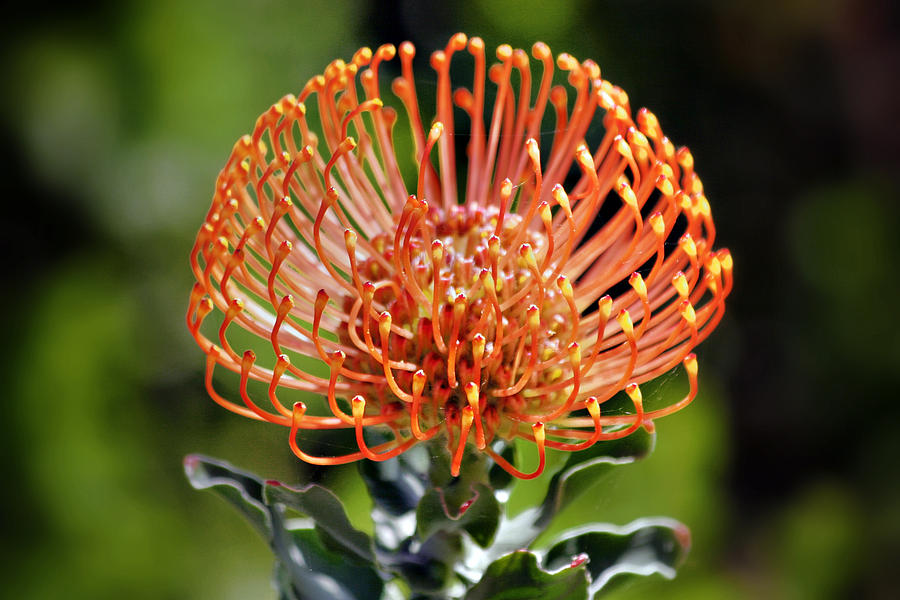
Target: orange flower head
(509,299)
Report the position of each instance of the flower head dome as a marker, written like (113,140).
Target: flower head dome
(507,299)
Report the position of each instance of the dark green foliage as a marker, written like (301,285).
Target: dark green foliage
(517,576)
(438,536)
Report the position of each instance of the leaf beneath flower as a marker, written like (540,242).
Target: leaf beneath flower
(518,576)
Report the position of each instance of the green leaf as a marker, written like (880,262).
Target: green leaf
(361,582)
(643,547)
(305,569)
(326,510)
(479,517)
(582,469)
(241,489)
(518,576)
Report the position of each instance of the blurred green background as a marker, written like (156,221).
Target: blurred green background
(117,117)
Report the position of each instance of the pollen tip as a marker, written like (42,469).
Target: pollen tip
(384,322)
(358,406)
(386,52)
(687,311)
(725,259)
(471,389)
(605,306)
(285,248)
(622,146)
(584,158)
(559,194)
(574,354)
(690,364)
(418,382)
(438,59)
(534,316)
(437,251)
(565,286)
(664,185)
(478,343)
(679,282)
(458,41)
(299,409)
(626,193)
(634,392)
(321,299)
(504,52)
(684,158)
(437,129)
(688,245)
(534,151)
(637,283)
(540,435)
(658,223)
(540,50)
(625,322)
(546,214)
(714,265)
(286,305)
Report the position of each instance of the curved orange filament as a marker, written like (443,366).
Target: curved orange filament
(282,253)
(533,323)
(296,419)
(593,407)
(437,256)
(467,418)
(433,135)
(418,387)
(690,366)
(234,309)
(384,328)
(459,309)
(335,364)
(281,208)
(358,404)
(246,366)
(473,394)
(540,441)
(575,360)
(212,356)
(281,365)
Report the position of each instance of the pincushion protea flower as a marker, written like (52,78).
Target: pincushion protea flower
(509,301)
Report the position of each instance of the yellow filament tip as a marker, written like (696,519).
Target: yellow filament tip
(637,283)
(358,405)
(690,364)
(679,282)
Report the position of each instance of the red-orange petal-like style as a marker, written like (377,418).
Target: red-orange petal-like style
(513,299)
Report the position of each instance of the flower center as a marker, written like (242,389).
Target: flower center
(468,286)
